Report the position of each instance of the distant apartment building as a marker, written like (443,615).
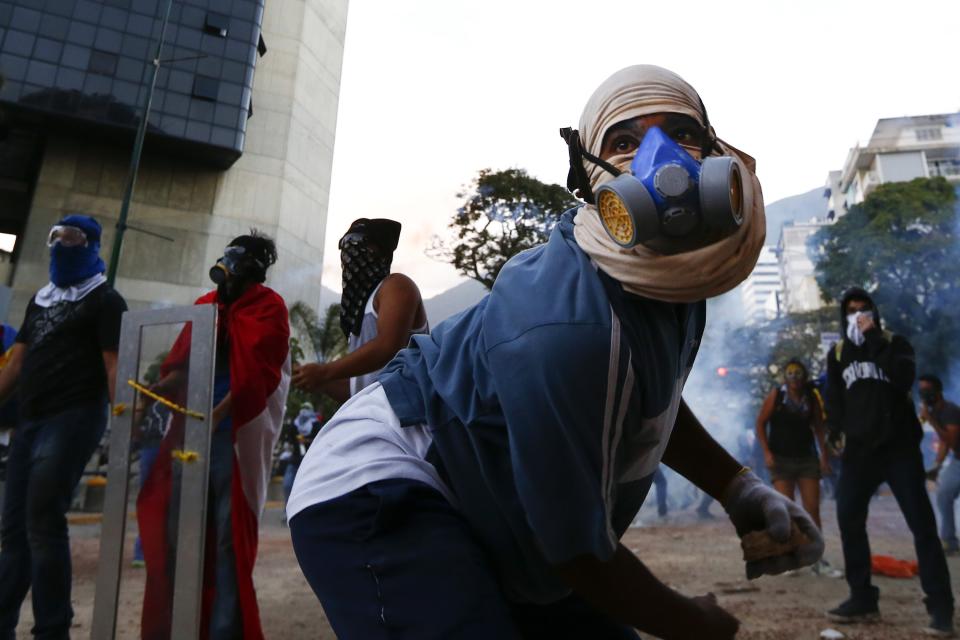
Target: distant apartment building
(797,262)
(834,196)
(899,150)
(762,288)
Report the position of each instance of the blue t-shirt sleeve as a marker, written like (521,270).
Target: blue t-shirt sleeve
(557,387)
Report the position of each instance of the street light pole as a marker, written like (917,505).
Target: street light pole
(137,150)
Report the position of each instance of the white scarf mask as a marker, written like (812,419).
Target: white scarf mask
(853,327)
(51,294)
(684,277)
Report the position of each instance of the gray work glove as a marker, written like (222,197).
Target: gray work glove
(753,506)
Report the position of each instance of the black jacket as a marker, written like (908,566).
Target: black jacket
(869,388)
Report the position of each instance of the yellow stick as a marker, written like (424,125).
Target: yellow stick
(167,403)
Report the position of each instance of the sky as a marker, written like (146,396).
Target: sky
(432,91)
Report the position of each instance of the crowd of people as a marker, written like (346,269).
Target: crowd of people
(515,441)
(866,413)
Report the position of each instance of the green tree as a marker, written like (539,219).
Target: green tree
(900,244)
(312,340)
(325,338)
(753,356)
(503,213)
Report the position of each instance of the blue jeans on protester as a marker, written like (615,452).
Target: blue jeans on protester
(148,455)
(225,621)
(660,483)
(47,458)
(394,559)
(948,488)
(289,475)
(860,478)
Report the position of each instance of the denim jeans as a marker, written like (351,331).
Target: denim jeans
(289,475)
(379,560)
(47,458)
(947,491)
(859,480)
(148,455)
(660,482)
(225,622)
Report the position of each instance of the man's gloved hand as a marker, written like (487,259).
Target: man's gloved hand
(933,473)
(753,506)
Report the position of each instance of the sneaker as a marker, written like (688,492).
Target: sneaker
(851,612)
(950,548)
(824,569)
(941,626)
(138,564)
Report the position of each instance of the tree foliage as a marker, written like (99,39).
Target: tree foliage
(312,340)
(900,244)
(756,354)
(503,213)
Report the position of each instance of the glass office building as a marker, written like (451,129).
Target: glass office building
(87,63)
(236,137)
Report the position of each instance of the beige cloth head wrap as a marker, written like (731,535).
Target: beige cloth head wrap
(684,277)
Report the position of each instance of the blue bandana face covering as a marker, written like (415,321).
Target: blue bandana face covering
(72,265)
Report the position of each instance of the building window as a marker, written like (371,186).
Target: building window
(929,133)
(216,24)
(102,62)
(948,167)
(206,88)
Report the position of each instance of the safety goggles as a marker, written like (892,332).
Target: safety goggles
(67,236)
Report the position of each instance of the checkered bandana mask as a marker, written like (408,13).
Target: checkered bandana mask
(363,269)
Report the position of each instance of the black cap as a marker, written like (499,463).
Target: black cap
(380,231)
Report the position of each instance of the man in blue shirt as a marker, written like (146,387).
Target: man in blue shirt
(481,487)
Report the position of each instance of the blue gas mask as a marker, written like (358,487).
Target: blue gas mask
(668,201)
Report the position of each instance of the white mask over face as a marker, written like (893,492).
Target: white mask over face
(853,327)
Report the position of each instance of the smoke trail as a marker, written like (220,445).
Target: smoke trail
(725,404)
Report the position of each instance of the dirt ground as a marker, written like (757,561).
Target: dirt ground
(692,556)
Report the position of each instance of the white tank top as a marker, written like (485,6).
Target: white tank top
(368,331)
(362,443)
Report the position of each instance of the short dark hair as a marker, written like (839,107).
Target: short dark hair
(261,249)
(857,298)
(933,380)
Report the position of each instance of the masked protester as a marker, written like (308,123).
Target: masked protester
(517,441)
(64,365)
(251,380)
(870,375)
(793,413)
(944,417)
(296,438)
(379,311)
